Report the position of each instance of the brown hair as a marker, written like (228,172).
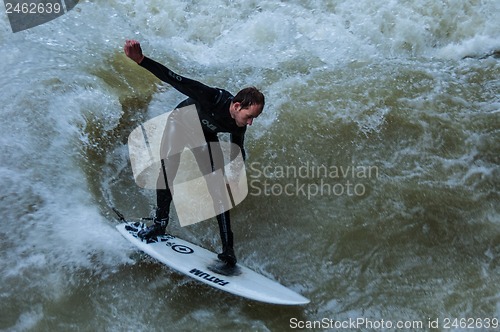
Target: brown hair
(249,96)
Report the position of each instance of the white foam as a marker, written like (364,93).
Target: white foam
(28,320)
(52,224)
(477,46)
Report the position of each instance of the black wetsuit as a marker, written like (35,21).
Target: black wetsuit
(212,105)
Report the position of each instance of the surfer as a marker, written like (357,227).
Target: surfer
(218,112)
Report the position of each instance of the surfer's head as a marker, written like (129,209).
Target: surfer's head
(246,106)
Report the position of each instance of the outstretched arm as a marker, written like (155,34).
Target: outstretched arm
(189,87)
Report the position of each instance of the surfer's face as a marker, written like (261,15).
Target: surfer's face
(244,116)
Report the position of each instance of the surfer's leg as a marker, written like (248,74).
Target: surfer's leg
(226,236)
(211,159)
(160,221)
(171,147)
(163,199)
(164,187)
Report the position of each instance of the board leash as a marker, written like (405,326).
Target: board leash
(121,217)
(119,214)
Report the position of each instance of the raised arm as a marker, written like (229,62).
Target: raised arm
(191,88)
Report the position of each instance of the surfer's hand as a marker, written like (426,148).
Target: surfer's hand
(133,50)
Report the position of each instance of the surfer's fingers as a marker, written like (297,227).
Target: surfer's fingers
(133,50)
(132,44)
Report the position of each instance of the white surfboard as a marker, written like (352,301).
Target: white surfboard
(203,265)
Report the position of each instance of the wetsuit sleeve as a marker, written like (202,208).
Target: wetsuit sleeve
(191,88)
(238,140)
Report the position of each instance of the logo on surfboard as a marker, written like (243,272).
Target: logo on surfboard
(181,249)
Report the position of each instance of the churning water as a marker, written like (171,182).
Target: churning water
(373,172)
